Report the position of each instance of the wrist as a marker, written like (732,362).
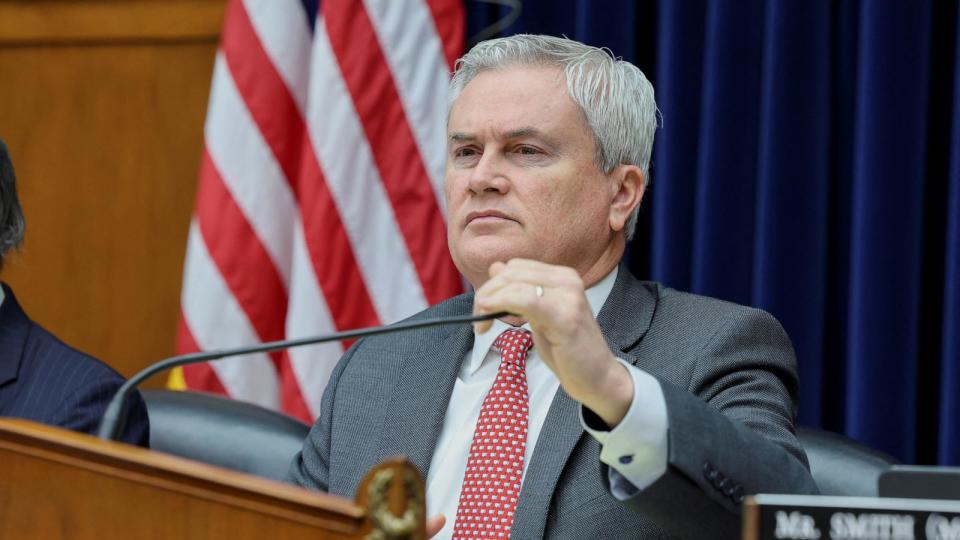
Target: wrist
(614,396)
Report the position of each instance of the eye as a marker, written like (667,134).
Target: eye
(465,151)
(527,150)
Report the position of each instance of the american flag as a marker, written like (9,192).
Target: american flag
(320,199)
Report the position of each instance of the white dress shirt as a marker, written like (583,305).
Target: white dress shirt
(635,450)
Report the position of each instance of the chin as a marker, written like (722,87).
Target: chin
(473,257)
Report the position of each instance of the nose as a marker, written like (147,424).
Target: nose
(488,175)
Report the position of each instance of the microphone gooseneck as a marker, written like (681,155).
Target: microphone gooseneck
(115,417)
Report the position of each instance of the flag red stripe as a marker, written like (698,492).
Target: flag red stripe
(238,254)
(266,94)
(405,178)
(274,110)
(449,18)
(197,376)
(247,270)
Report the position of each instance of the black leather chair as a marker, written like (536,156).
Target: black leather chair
(842,466)
(248,438)
(223,432)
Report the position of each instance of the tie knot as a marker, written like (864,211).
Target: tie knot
(514,346)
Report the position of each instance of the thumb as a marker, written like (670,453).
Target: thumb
(434,524)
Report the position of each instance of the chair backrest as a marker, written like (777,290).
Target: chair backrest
(249,438)
(224,432)
(842,466)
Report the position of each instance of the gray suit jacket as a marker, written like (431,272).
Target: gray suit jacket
(728,375)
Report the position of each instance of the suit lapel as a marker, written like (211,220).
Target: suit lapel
(560,433)
(627,313)
(14,327)
(415,414)
(624,319)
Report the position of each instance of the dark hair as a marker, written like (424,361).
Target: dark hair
(11,215)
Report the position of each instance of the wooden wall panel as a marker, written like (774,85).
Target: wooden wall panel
(109,21)
(104,119)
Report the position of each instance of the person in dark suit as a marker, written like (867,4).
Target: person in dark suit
(41,378)
(605,407)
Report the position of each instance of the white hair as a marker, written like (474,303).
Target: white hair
(615,97)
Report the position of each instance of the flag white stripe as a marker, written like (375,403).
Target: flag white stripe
(284,32)
(249,169)
(354,182)
(216,320)
(308,315)
(414,52)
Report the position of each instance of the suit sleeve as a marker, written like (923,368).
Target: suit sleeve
(730,433)
(83,409)
(311,466)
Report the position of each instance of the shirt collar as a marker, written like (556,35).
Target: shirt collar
(596,297)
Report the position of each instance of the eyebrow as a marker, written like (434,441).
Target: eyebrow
(512,134)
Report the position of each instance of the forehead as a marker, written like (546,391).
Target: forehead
(503,99)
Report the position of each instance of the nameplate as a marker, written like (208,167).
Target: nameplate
(803,517)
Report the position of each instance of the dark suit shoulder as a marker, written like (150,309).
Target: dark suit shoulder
(45,352)
(705,306)
(458,305)
(704,316)
(56,384)
(690,340)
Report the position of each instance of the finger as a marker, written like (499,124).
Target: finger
(522,300)
(518,287)
(495,269)
(481,326)
(434,524)
(532,272)
(532,265)
(548,282)
(513,297)
(508,279)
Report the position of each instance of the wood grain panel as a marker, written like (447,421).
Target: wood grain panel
(58,484)
(108,21)
(105,135)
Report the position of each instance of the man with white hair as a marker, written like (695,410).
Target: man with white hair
(605,407)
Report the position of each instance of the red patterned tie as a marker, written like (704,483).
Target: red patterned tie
(491,483)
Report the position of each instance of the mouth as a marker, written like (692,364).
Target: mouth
(482,216)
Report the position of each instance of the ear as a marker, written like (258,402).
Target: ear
(627,185)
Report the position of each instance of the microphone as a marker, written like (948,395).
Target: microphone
(115,417)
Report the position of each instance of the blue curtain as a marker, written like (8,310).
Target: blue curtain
(808,164)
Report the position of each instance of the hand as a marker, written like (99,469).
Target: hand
(434,524)
(564,331)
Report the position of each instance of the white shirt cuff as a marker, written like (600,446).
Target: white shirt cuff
(636,448)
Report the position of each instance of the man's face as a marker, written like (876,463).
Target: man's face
(521,176)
